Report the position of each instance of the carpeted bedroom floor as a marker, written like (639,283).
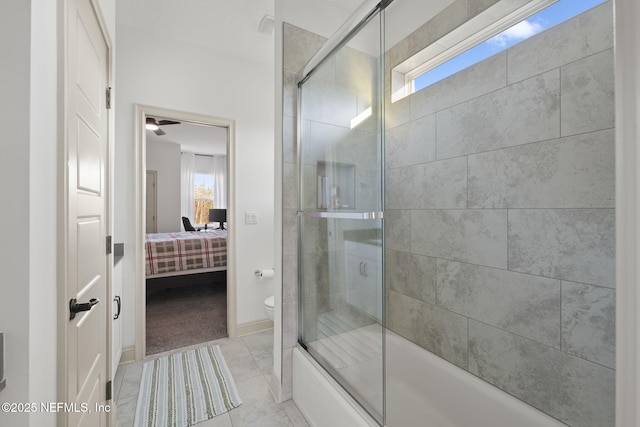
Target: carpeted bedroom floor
(187,315)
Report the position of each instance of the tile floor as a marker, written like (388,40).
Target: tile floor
(250,360)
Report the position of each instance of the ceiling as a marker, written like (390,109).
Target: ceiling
(230,27)
(192,138)
(226,26)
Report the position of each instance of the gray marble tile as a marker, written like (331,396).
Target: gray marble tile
(131,380)
(240,360)
(478,6)
(289,94)
(117,380)
(524,112)
(588,322)
(475,236)
(454,15)
(411,275)
(520,303)
(575,391)
(356,70)
(588,94)
(294,414)
(127,410)
(435,185)
(260,344)
(323,142)
(397,113)
(584,35)
(328,102)
(299,46)
(289,190)
(480,79)
(440,331)
(571,172)
(258,408)
(570,244)
(412,143)
(397,230)
(289,139)
(222,420)
(289,232)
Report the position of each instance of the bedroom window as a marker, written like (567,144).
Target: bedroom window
(202,197)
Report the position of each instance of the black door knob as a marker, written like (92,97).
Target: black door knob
(75,308)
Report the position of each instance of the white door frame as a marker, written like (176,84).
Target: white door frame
(62,220)
(141,112)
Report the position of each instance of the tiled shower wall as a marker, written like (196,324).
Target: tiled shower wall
(299,47)
(499,218)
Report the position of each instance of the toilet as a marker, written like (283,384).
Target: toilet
(269,303)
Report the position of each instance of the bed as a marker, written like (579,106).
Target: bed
(187,252)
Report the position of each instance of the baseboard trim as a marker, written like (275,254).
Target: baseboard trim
(128,355)
(275,388)
(253,327)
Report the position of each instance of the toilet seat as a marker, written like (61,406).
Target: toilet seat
(270,302)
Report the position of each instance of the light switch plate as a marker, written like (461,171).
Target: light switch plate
(250,218)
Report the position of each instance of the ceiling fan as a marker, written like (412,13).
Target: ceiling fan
(154,125)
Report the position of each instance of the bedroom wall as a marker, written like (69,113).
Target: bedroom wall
(165,159)
(170,74)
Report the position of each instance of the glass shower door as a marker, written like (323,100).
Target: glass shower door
(340,225)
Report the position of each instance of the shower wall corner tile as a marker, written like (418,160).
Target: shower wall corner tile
(397,229)
(524,112)
(439,331)
(523,304)
(289,137)
(588,33)
(299,46)
(575,391)
(588,322)
(434,185)
(588,94)
(474,236)
(411,275)
(570,172)
(289,95)
(289,190)
(289,232)
(569,244)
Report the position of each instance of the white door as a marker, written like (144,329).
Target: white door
(86,272)
(152,202)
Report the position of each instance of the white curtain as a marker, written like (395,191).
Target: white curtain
(188,161)
(220,182)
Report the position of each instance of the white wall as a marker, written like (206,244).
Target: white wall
(174,75)
(165,159)
(28,178)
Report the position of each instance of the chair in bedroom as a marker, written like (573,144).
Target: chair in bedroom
(187,225)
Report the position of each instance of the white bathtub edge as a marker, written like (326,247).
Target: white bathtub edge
(320,399)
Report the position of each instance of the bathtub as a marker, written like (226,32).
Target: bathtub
(423,390)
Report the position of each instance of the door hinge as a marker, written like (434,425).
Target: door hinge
(109,387)
(108,98)
(109,245)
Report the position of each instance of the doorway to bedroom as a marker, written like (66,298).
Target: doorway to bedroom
(184,294)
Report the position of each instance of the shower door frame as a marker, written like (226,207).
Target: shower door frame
(368,11)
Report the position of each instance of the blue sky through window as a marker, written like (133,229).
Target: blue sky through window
(546,18)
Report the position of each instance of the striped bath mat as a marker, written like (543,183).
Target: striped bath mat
(184,389)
